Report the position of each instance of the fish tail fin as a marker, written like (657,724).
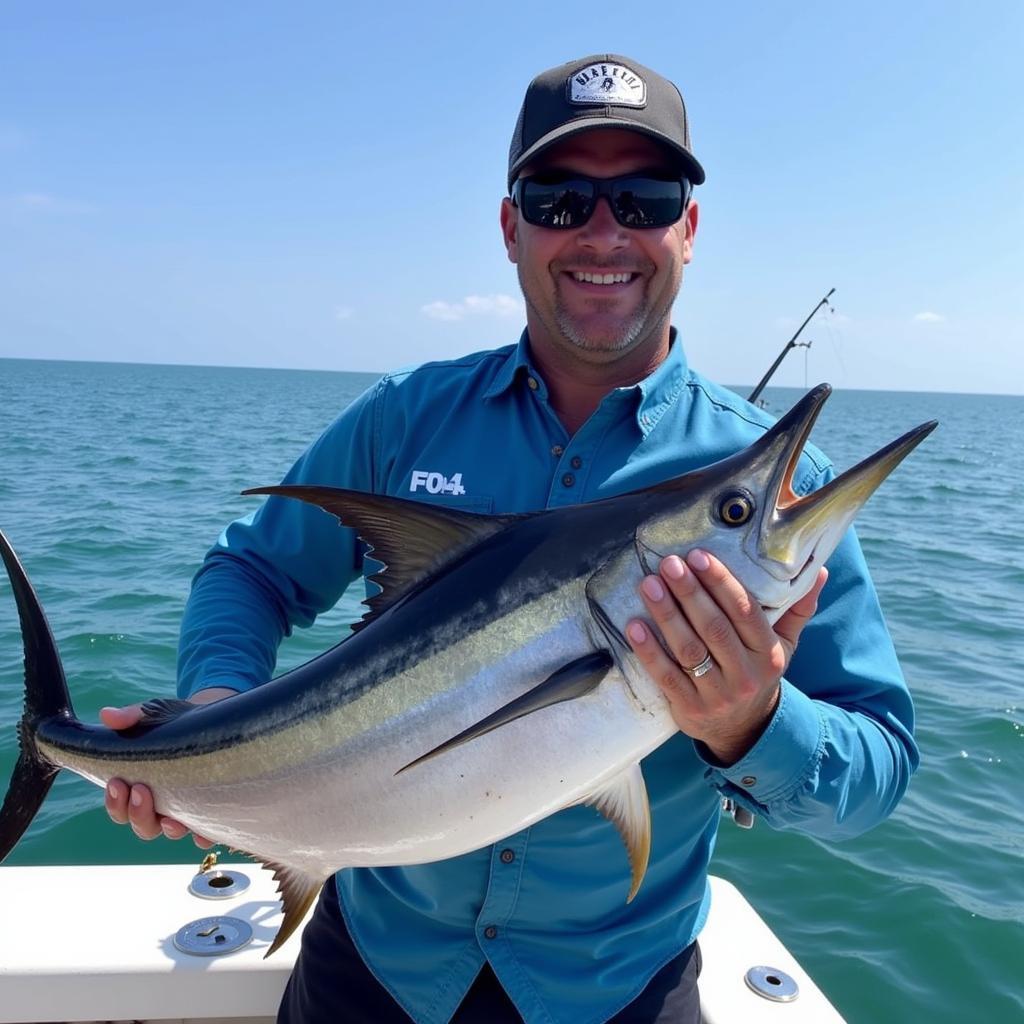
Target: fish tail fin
(46,696)
(29,785)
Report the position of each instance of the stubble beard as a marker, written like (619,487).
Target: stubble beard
(639,324)
(574,332)
(631,331)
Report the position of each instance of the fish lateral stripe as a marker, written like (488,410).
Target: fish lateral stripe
(414,631)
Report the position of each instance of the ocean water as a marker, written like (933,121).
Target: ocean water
(116,478)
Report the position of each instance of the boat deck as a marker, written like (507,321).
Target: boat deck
(97,944)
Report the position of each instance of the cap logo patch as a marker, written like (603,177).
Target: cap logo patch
(607,84)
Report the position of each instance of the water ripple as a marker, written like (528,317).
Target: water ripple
(111,510)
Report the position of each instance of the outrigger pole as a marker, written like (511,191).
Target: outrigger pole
(753,396)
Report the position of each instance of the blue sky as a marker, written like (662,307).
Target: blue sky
(312,185)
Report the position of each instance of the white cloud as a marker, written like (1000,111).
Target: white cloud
(474,305)
(39,200)
(343,312)
(44,202)
(929,318)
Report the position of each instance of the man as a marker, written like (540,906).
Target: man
(596,399)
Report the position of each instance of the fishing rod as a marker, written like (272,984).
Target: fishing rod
(753,396)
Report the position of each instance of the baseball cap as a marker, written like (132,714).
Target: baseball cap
(603,91)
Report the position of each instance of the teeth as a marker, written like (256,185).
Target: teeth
(589,278)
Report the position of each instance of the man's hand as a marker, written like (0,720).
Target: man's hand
(701,609)
(133,805)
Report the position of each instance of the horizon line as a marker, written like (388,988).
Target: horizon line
(381,373)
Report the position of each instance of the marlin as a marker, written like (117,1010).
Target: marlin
(495,641)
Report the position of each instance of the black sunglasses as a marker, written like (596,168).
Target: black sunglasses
(564,200)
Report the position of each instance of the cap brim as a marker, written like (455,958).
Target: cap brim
(694,171)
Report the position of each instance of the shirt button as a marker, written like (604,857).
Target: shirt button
(577,462)
(557,450)
(532,383)
(507,856)
(748,781)
(490,932)
(568,480)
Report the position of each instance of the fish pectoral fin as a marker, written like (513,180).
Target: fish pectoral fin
(576,679)
(158,711)
(623,801)
(298,891)
(164,709)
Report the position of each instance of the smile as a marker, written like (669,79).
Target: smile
(585,277)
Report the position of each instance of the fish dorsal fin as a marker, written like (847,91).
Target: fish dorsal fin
(623,801)
(298,891)
(413,539)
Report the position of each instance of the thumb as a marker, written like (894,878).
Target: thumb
(121,718)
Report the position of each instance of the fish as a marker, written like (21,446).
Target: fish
(494,641)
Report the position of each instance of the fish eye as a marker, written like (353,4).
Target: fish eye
(736,508)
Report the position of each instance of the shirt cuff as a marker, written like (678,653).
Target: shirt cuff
(782,760)
(228,682)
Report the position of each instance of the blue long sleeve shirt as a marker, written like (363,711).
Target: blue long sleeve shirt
(545,906)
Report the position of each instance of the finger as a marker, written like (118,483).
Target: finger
(796,617)
(743,614)
(142,814)
(707,620)
(121,718)
(173,829)
(176,830)
(116,800)
(674,682)
(679,636)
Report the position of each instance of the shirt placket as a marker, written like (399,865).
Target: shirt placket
(575,456)
(507,860)
(494,926)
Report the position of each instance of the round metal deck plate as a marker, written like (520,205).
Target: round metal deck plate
(771,983)
(213,936)
(218,885)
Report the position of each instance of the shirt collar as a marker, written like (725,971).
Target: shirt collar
(517,361)
(657,391)
(660,389)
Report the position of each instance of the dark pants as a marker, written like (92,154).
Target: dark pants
(332,985)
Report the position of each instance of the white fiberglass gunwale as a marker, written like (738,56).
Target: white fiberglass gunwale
(96,944)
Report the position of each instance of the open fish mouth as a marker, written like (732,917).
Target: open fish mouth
(803,416)
(795,527)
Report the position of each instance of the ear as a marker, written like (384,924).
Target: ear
(690,230)
(510,229)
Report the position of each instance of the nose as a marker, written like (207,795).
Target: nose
(603,233)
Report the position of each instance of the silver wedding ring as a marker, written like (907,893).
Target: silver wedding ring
(703,668)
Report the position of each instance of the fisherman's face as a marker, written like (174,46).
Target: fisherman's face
(599,323)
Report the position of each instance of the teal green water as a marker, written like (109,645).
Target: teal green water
(116,478)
